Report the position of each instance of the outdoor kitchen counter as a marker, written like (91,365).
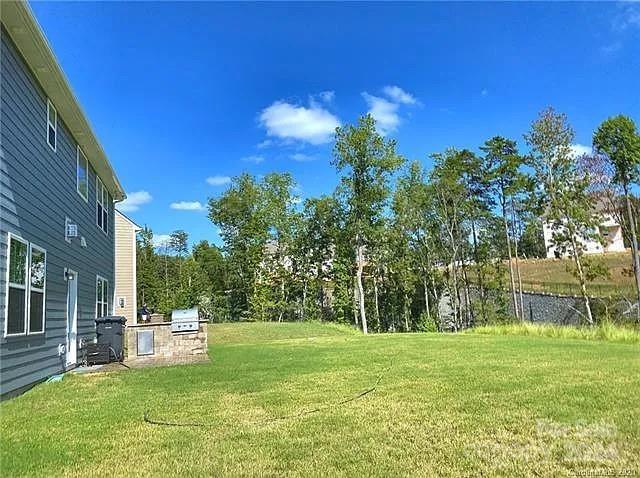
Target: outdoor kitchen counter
(155,343)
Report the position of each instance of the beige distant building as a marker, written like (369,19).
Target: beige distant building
(125,303)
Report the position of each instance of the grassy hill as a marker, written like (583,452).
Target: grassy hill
(282,400)
(553,275)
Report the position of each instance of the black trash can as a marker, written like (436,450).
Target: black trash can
(110,331)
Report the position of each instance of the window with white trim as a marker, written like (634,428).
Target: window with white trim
(102,295)
(37,282)
(52,125)
(82,174)
(102,209)
(25,288)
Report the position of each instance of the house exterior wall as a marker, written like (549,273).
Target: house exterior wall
(37,193)
(610,231)
(125,268)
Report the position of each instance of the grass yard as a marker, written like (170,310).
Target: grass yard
(553,275)
(448,405)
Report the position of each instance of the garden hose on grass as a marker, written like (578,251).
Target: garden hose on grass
(303,413)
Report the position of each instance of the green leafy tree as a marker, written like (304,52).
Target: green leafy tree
(149,287)
(452,206)
(366,161)
(618,139)
(563,188)
(315,246)
(244,228)
(415,217)
(505,181)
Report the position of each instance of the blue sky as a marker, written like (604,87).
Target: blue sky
(184,96)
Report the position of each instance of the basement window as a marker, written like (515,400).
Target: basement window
(82,177)
(52,125)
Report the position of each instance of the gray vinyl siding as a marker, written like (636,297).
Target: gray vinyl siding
(37,192)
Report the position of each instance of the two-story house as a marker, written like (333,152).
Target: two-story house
(609,232)
(57,194)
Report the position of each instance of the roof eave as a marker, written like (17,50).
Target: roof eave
(25,32)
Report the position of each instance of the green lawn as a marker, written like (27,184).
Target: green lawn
(449,405)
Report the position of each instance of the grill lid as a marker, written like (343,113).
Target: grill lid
(184,315)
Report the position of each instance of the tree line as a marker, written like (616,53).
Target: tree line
(397,246)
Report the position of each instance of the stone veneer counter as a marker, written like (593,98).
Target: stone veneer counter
(160,346)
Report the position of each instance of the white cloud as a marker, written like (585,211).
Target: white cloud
(187,206)
(384,112)
(398,95)
(580,149)
(254,158)
(218,180)
(161,240)
(302,158)
(134,201)
(264,144)
(284,120)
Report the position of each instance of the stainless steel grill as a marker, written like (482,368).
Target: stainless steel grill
(184,320)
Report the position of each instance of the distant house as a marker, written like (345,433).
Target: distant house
(56,217)
(609,230)
(125,268)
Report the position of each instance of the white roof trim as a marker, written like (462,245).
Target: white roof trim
(25,32)
(128,219)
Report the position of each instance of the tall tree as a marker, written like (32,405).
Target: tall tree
(505,179)
(279,207)
(563,187)
(244,228)
(316,242)
(148,274)
(366,161)
(414,215)
(618,139)
(453,207)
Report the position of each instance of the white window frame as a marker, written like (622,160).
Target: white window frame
(79,154)
(105,300)
(43,290)
(53,124)
(14,285)
(101,194)
(26,287)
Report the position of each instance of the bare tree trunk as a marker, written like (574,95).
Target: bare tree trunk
(478,270)
(426,298)
(515,250)
(467,297)
(304,299)
(455,297)
(634,248)
(356,301)
(507,237)
(360,267)
(284,301)
(583,283)
(436,298)
(375,292)
(406,312)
